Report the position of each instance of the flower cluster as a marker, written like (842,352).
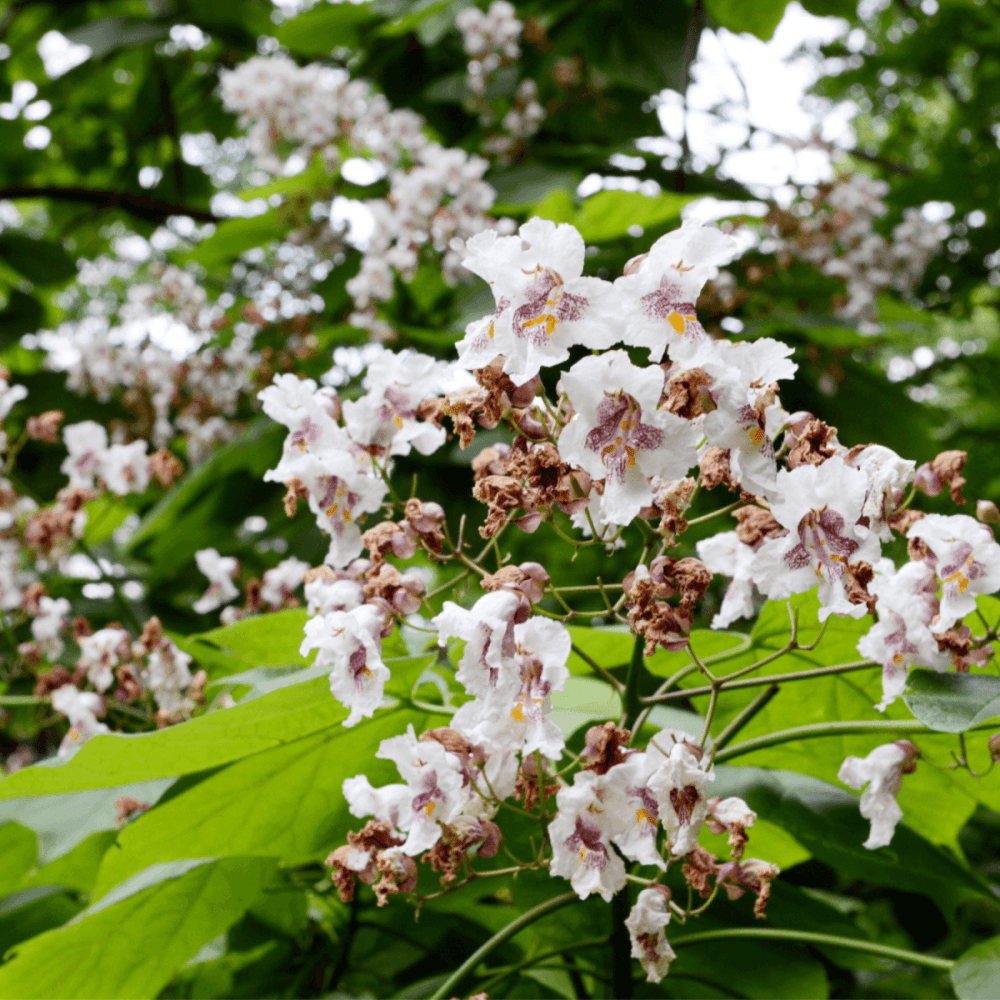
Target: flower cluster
(619,442)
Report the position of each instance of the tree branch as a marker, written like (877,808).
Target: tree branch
(139,205)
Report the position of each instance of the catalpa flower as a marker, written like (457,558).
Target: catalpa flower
(581,840)
(544,304)
(101,652)
(888,476)
(339,489)
(820,508)
(619,435)
(309,413)
(87,443)
(387,414)
(966,560)
(487,666)
(659,289)
(436,782)
(882,771)
(47,626)
(351,643)
(514,714)
(646,923)
(279,583)
(82,709)
(727,555)
(902,636)
(220,571)
(632,808)
(680,784)
(747,416)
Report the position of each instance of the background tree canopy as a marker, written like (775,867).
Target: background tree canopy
(124,166)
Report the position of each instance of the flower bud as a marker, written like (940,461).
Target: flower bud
(994,746)
(909,764)
(987,512)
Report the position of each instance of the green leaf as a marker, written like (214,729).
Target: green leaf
(584,700)
(952,703)
(34,911)
(557,206)
(19,850)
(78,868)
(234,237)
(40,261)
(329,26)
(285,803)
(827,822)
(976,975)
(607,215)
(22,314)
(258,642)
(61,822)
(106,36)
(759,18)
(165,915)
(222,736)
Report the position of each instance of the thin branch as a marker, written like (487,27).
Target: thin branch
(139,205)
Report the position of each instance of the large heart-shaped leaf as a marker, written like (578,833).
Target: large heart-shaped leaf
(952,703)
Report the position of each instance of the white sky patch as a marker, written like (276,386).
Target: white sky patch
(356,217)
(747,111)
(362,172)
(59,55)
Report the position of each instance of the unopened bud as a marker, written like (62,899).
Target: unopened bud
(45,427)
(987,512)
(909,764)
(994,745)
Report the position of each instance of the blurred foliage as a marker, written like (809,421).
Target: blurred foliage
(245,918)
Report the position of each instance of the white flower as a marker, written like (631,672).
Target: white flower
(220,571)
(882,771)
(87,443)
(544,304)
(310,416)
(514,714)
(390,803)
(350,642)
(680,784)
(619,435)
(46,628)
(280,583)
(387,414)
(967,562)
(581,843)
(125,468)
(167,676)
(645,924)
(902,637)
(82,709)
(101,652)
(487,665)
(436,784)
(632,808)
(820,507)
(659,290)
(340,489)
(9,395)
(888,475)
(324,595)
(726,554)
(742,377)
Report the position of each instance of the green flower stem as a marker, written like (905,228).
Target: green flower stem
(597,668)
(810,937)
(514,927)
(716,513)
(508,970)
(797,675)
(757,705)
(21,699)
(896,727)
